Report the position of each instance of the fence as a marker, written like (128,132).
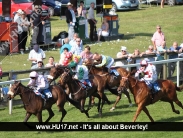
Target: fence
(164,62)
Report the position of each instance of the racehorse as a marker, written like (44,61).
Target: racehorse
(78,93)
(34,104)
(112,82)
(55,72)
(143,96)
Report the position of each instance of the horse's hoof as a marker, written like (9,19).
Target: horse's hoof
(108,102)
(112,109)
(130,105)
(177,111)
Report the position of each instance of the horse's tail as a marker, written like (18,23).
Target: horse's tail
(75,103)
(180,88)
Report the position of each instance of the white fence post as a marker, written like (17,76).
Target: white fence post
(178,72)
(10,104)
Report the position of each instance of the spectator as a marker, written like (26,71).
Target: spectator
(25,26)
(70,19)
(50,63)
(171,66)
(91,20)
(122,54)
(73,41)
(82,12)
(159,67)
(163,47)
(135,57)
(63,57)
(181,64)
(66,45)
(136,54)
(35,54)
(86,54)
(18,20)
(150,51)
(36,22)
(39,65)
(77,48)
(104,30)
(158,37)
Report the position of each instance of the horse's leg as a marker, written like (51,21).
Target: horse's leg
(27,116)
(147,113)
(128,96)
(117,100)
(103,97)
(92,100)
(139,109)
(51,114)
(89,103)
(39,116)
(173,108)
(82,107)
(64,112)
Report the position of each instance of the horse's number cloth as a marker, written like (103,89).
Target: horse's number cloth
(115,72)
(46,92)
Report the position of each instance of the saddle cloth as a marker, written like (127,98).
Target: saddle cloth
(154,87)
(115,72)
(46,93)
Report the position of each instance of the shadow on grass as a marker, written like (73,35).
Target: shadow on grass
(171,119)
(115,113)
(53,19)
(132,36)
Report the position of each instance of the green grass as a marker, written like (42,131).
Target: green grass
(138,28)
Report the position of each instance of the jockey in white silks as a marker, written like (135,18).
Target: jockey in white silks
(40,84)
(147,73)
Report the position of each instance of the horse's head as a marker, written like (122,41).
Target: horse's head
(14,90)
(65,77)
(123,83)
(55,72)
(88,62)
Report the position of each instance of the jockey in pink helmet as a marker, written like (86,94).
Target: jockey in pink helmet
(148,71)
(39,83)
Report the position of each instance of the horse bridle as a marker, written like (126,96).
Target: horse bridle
(126,79)
(64,75)
(15,93)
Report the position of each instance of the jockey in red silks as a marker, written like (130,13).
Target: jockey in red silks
(147,73)
(71,57)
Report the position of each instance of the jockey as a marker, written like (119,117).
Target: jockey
(40,84)
(147,73)
(104,61)
(81,73)
(71,57)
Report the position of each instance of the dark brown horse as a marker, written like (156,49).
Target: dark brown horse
(34,104)
(55,72)
(78,93)
(110,80)
(142,94)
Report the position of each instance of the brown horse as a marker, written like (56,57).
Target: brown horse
(110,80)
(78,93)
(34,104)
(143,97)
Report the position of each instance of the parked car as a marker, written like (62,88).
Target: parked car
(169,2)
(25,5)
(125,4)
(53,5)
